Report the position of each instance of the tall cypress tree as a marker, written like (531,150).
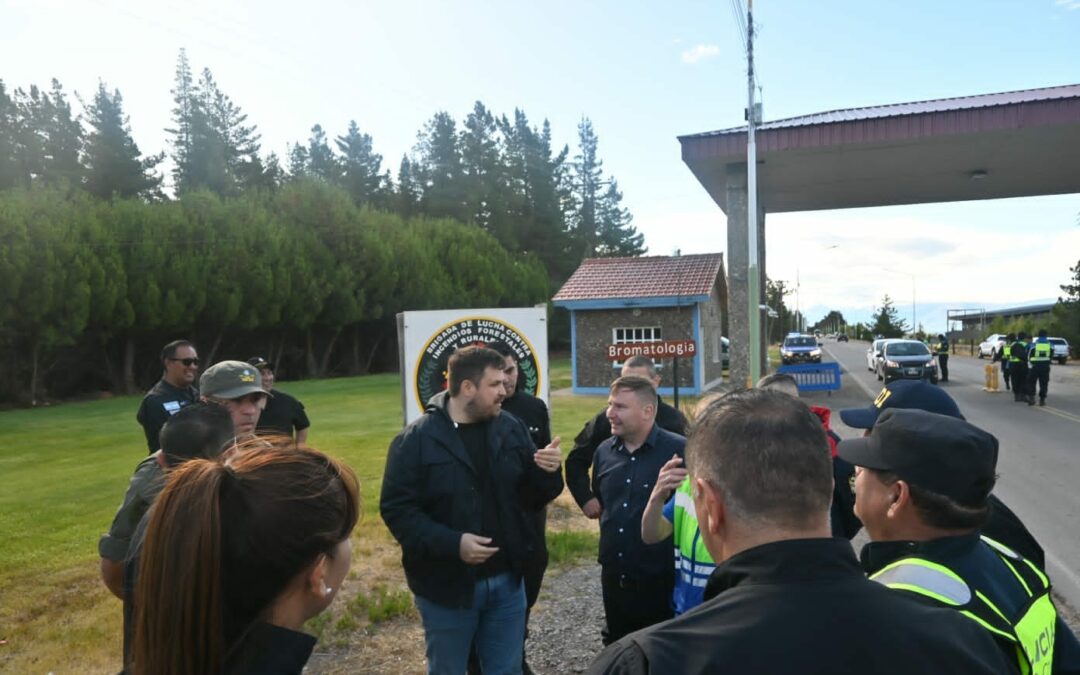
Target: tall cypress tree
(9,131)
(438,168)
(600,224)
(483,182)
(62,140)
(116,167)
(361,167)
(321,160)
(185,115)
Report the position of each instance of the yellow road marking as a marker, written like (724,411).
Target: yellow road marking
(1061,413)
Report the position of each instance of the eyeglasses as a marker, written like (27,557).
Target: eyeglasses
(187,362)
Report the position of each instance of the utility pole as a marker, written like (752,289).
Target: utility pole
(753,277)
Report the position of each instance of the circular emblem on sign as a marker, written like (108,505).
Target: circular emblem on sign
(431,368)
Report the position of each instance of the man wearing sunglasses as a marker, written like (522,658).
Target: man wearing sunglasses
(174,390)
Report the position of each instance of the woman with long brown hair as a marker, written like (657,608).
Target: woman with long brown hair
(239,553)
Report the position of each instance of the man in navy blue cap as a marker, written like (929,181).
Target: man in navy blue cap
(922,489)
(1004,525)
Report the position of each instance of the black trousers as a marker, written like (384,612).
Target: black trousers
(1005,373)
(1018,371)
(1040,372)
(632,604)
(943,366)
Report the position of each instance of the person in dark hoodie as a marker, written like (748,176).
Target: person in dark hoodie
(457,489)
(784,591)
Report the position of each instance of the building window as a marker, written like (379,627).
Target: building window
(621,336)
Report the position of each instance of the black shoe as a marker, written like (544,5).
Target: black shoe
(1042,401)
(1031,400)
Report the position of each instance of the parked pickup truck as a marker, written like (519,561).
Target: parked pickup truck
(1059,349)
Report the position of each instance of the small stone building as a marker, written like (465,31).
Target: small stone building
(647,299)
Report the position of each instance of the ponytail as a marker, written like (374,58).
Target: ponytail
(225,539)
(178,614)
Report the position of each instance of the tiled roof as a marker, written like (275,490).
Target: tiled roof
(651,276)
(915,108)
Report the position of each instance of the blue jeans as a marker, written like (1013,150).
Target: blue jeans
(496,622)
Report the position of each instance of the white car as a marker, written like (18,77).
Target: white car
(989,346)
(873,354)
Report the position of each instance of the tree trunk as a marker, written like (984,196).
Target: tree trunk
(325,366)
(214,348)
(129,365)
(34,373)
(354,368)
(371,354)
(309,355)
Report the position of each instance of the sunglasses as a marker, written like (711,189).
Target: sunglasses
(187,362)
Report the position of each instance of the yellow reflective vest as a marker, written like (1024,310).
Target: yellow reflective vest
(1032,632)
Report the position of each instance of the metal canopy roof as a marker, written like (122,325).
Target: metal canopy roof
(991,146)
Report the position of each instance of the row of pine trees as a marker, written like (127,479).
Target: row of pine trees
(108,251)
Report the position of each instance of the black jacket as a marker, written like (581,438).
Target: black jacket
(804,606)
(982,569)
(431,496)
(596,431)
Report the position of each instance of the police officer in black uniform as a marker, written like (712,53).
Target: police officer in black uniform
(922,490)
(174,390)
(1002,354)
(943,357)
(1039,356)
(1018,367)
(533,412)
(283,413)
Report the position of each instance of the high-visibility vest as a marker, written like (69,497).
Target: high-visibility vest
(1032,632)
(1040,352)
(693,564)
(943,347)
(1023,347)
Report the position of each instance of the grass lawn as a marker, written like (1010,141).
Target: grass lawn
(65,470)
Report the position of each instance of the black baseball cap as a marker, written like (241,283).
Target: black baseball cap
(939,453)
(260,363)
(911,394)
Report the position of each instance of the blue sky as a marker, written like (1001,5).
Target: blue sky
(644,72)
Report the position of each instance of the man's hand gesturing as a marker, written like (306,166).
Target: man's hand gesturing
(549,458)
(473,548)
(671,476)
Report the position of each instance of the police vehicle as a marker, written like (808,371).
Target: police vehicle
(799,348)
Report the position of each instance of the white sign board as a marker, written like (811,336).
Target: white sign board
(427,339)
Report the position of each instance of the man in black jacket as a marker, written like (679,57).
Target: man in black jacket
(598,429)
(533,412)
(457,486)
(785,596)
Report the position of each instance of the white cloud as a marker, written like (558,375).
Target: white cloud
(1068,4)
(700,52)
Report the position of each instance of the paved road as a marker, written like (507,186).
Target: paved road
(1039,461)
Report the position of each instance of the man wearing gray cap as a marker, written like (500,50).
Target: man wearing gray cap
(238,387)
(922,488)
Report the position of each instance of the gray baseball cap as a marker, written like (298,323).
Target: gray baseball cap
(230,379)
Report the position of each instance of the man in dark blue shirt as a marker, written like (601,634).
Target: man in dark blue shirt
(637,578)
